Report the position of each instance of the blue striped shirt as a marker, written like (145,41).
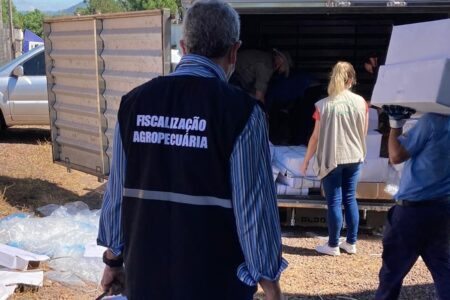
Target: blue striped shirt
(253,190)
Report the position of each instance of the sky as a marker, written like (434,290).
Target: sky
(44,5)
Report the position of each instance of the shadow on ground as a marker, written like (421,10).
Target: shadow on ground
(414,292)
(30,194)
(314,232)
(25,135)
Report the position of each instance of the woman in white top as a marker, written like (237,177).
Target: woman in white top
(338,143)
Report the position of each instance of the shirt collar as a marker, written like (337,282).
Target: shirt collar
(197,65)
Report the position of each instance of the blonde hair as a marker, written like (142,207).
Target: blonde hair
(342,75)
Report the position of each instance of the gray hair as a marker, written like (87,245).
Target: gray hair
(210,27)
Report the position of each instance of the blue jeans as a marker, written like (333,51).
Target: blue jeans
(340,188)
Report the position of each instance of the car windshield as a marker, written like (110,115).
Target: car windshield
(14,61)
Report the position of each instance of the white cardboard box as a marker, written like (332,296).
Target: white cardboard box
(373,144)
(15,258)
(11,277)
(373,119)
(419,41)
(422,85)
(6,291)
(375,170)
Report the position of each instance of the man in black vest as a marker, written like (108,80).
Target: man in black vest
(190,208)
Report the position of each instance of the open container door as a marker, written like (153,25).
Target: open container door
(91,62)
(317,34)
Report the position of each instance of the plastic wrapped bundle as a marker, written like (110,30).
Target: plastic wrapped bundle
(290,191)
(289,160)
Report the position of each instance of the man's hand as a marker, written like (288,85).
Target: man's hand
(398,114)
(271,289)
(113,280)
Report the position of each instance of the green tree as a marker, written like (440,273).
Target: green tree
(173,5)
(34,21)
(101,6)
(17,17)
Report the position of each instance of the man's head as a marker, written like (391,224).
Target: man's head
(282,62)
(371,63)
(211,29)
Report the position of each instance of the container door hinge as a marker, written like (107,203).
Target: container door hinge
(67,161)
(98,170)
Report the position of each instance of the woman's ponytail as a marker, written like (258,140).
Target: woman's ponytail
(342,77)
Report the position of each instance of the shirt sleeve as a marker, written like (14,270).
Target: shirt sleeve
(110,232)
(316,115)
(415,139)
(255,204)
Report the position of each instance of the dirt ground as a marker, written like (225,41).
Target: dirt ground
(29,179)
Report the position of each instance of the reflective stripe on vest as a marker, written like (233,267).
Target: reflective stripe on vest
(177,198)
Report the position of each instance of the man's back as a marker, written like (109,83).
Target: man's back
(190,203)
(426,174)
(177,214)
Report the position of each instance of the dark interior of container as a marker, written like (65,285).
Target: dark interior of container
(317,41)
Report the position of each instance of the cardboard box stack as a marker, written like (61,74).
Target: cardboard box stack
(417,69)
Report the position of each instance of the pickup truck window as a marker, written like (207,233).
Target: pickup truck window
(35,66)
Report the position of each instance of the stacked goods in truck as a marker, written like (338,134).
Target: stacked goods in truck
(287,159)
(375,168)
(289,181)
(417,69)
(374,171)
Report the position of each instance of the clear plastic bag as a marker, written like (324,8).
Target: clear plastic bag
(393,179)
(62,235)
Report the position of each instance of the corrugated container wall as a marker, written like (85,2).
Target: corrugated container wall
(91,63)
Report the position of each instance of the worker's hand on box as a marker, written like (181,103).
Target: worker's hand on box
(398,114)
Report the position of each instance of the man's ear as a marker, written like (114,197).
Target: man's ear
(232,54)
(183,47)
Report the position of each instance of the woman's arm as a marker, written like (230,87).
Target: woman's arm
(312,147)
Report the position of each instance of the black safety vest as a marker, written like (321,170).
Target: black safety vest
(178,133)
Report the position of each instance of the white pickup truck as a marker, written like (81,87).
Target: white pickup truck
(23,90)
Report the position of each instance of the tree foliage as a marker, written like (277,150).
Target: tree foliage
(173,5)
(101,6)
(17,17)
(106,6)
(33,21)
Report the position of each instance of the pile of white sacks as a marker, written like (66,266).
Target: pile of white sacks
(286,162)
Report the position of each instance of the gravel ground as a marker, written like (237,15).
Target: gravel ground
(29,179)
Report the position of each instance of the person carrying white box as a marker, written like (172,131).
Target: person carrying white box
(419,223)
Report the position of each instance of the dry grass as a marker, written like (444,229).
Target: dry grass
(29,179)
